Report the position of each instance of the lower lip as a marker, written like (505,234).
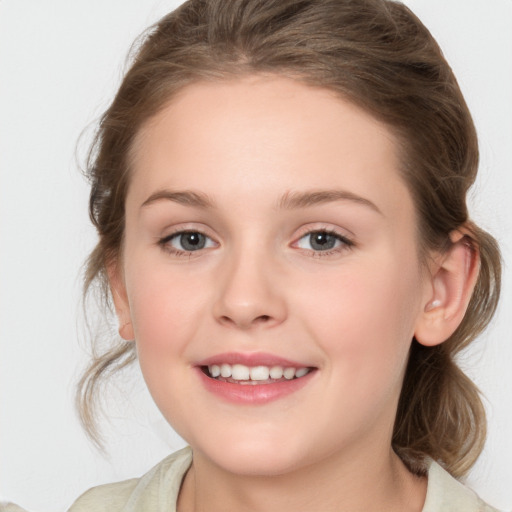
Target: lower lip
(253,394)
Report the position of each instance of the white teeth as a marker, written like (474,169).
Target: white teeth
(289,373)
(260,373)
(276,372)
(240,372)
(256,373)
(301,372)
(225,370)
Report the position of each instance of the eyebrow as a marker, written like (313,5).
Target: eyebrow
(289,200)
(292,200)
(185,197)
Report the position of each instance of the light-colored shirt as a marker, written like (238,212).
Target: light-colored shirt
(157,491)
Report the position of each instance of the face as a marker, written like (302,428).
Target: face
(268,230)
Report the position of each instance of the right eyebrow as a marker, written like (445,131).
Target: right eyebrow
(184,197)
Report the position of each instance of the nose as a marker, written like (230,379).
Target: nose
(250,293)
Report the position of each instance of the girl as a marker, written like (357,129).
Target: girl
(279,190)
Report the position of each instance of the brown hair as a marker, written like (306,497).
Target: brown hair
(376,54)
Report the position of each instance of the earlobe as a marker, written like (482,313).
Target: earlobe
(120,298)
(452,283)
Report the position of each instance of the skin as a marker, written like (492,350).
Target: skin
(259,286)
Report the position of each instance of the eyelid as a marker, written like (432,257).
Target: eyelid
(315,228)
(347,241)
(187,227)
(164,241)
(180,233)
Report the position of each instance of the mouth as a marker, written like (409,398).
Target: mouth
(254,378)
(254,375)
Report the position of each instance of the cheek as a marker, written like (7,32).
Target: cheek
(165,310)
(366,313)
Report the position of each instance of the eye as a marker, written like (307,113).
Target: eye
(322,241)
(187,242)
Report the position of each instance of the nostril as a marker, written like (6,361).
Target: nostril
(263,319)
(226,319)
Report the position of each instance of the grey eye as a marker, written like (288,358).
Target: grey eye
(190,241)
(321,241)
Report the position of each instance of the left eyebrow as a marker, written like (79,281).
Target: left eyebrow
(184,197)
(293,200)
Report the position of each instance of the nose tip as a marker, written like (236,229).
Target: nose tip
(249,296)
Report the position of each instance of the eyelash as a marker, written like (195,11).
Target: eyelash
(346,243)
(165,243)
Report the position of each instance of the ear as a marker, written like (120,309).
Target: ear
(452,282)
(120,298)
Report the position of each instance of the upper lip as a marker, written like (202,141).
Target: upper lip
(251,359)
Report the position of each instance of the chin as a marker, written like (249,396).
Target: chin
(258,457)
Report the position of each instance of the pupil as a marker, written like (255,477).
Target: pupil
(192,241)
(322,241)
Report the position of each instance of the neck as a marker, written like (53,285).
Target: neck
(348,483)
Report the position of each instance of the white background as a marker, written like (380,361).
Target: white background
(60,62)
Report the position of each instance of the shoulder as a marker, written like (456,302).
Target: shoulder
(446,494)
(10,507)
(105,497)
(156,490)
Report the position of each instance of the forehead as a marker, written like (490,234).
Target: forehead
(267,134)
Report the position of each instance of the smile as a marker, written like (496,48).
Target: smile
(254,378)
(244,375)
